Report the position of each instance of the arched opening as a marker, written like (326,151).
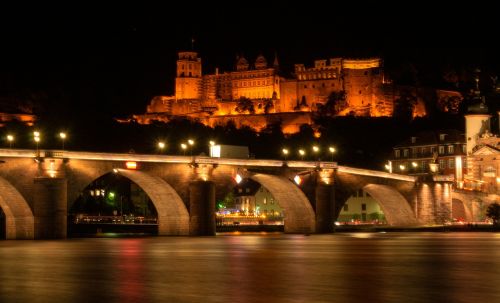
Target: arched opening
(289,203)
(129,201)
(396,209)
(249,206)
(459,212)
(361,209)
(375,204)
(17,215)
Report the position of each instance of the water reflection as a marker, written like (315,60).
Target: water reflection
(391,267)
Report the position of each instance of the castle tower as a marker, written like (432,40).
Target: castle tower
(188,80)
(477,119)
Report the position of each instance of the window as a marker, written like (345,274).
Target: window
(346,207)
(413,139)
(264,201)
(247,190)
(451,163)
(442,163)
(433,150)
(405,153)
(441,150)
(464,148)
(305,86)
(271,200)
(360,193)
(363,207)
(450,149)
(442,137)
(240,190)
(423,150)
(397,153)
(414,152)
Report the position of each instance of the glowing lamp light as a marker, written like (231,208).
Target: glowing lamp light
(402,167)
(285,151)
(10,138)
(212,143)
(414,164)
(315,149)
(131,165)
(297,179)
(238,178)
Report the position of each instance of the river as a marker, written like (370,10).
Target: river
(260,267)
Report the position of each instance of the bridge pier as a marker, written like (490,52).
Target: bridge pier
(50,208)
(325,198)
(202,208)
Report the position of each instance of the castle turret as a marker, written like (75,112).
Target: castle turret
(188,80)
(477,119)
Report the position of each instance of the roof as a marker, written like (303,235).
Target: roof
(433,138)
(248,183)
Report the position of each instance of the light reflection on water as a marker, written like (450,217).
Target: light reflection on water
(260,267)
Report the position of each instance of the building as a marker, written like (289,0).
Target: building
(259,89)
(483,148)
(439,152)
(250,198)
(361,208)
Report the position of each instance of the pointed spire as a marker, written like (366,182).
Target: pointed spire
(276,63)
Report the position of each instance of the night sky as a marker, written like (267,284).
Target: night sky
(110,61)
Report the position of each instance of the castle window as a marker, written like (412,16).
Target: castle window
(313,86)
(442,163)
(333,84)
(190,74)
(450,149)
(323,84)
(441,149)
(366,73)
(360,92)
(190,66)
(305,86)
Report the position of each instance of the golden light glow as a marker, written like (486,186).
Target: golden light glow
(37,139)
(315,148)
(297,179)
(285,151)
(62,135)
(302,152)
(402,167)
(212,143)
(161,145)
(10,138)
(332,149)
(131,165)
(36,133)
(238,178)
(414,164)
(191,142)
(183,145)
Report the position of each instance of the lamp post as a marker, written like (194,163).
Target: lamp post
(62,135)
(10,138)
(302,153)
(332,150)
(285,153)
(316,150)
(161,146)
(36,135)
(191,143)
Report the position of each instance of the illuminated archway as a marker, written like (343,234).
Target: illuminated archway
(299,214)
(19,220)
(173,217)
(396,209)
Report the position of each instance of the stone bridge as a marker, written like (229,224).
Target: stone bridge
(38,188)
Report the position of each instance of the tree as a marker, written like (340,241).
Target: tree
(493,212)
(245,105)
(404,105)
(335,103)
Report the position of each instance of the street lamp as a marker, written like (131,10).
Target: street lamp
(184,146)
(10,138)
(37,139)
(316,150)
(191,143)
(62,135)
(285,152)
(332,150)
(302,153)
(161,146)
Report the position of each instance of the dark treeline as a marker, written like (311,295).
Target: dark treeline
(360,142)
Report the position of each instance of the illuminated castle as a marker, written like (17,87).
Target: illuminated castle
(257,94)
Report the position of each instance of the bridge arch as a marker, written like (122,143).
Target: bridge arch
(19,219)
(173,217)
(396,209)
(299,214)
(459,210)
